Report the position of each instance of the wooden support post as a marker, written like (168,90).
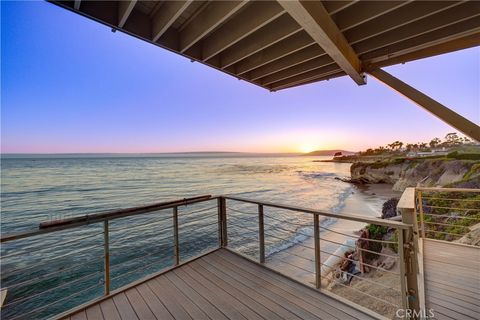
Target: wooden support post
(408,251)
(316,239)
(106,258)
(175,236)
(403,262)
(437,109)
(261,234)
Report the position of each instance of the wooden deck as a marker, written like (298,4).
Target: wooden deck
(220,285)
(452,280)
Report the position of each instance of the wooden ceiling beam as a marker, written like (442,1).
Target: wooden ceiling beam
(313,80)
(287,46)
(270,34)
(323,72)
(407,14)
(310,65)
(309,53)
(124,10)
(337,5)
(316,21)
(363,11)
(441,48)
(253,17)
(167,14)
(422,26)
(443,35)
(437,109)
(215,13)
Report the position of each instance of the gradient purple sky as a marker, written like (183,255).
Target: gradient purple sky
(70,85)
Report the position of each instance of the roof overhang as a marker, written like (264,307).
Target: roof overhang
(282,44)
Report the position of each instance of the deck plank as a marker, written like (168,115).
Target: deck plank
(94,313)
(210,310)
(452,281)
(175,309)
(321,300)
(187,304)
(124,308)
(154,303)
(109,310)
(81,315)
(295,297)
(220,285)
(263,304)
(454,303)
(268,311)
(232,308)
(295,304)
(138,304)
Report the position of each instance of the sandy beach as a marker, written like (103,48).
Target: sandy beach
(298,260)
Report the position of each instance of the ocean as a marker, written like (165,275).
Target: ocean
(68,265)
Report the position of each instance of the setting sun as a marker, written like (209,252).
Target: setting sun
(306,148)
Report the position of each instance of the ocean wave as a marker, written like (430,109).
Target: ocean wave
(316,175)
(342,198)
(300,236)
(304,233)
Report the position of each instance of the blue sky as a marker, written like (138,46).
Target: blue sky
(71,85)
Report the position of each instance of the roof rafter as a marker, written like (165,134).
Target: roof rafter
(281,49)
(252,18)
(318,73)
(311,52)
(166,16)
(394,19)
(216,13)
(124,10)
(270,34)
(316,21)
(437,21)
(309,65)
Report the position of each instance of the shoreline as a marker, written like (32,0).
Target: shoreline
(297,261)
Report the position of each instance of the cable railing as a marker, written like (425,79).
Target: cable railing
(94,256)
(114,249)
(305,245)
(448,214)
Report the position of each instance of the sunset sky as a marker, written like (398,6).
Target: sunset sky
(70,85)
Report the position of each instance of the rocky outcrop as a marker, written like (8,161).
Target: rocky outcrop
(403,173)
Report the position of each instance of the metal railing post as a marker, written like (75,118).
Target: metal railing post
(175,236)
(420,207)
(261,234)
(106,258)
(222,215)
(220,224)
(316,239)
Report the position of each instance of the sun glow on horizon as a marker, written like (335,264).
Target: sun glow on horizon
(306,148)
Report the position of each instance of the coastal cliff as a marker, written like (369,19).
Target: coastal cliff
(403,173)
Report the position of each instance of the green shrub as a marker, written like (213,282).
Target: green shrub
(375,232)
(453,155)
(463,156)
